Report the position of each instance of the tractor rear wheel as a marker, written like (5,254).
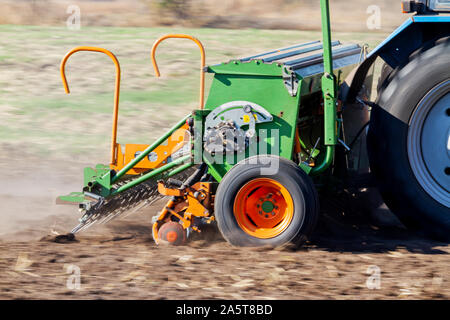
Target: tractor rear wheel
(409,142)
(266,201)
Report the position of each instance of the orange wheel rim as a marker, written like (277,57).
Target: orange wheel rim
(172,236)
(263,208)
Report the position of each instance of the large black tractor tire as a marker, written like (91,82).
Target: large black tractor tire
(266,201)
(408,141)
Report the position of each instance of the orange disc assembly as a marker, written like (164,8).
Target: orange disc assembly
(263,208)
(172,233)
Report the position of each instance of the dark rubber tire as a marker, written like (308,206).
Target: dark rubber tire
(397,101)
(290,176)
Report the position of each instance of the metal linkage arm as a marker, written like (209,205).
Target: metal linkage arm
(329,89)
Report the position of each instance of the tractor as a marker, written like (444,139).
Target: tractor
(280,126)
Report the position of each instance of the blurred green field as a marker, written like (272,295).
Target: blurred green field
(36,116)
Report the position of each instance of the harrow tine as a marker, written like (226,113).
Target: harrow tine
(126,203)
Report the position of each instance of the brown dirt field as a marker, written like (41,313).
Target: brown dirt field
(120,261)
(124,263)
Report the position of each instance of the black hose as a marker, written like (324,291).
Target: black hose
(195,177)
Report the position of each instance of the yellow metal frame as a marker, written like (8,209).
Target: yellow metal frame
(119,159)
(174,143)
(202,63)
(195,201)
(116,91)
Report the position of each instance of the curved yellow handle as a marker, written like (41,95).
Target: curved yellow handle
(116,92)
(202,65)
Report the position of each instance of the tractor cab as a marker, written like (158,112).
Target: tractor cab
(426,6)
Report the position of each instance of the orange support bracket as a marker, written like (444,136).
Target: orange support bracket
(116,92)
(202,65)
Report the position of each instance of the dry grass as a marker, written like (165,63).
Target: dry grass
(35,111)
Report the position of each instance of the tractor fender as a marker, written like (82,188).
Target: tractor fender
(396,49)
